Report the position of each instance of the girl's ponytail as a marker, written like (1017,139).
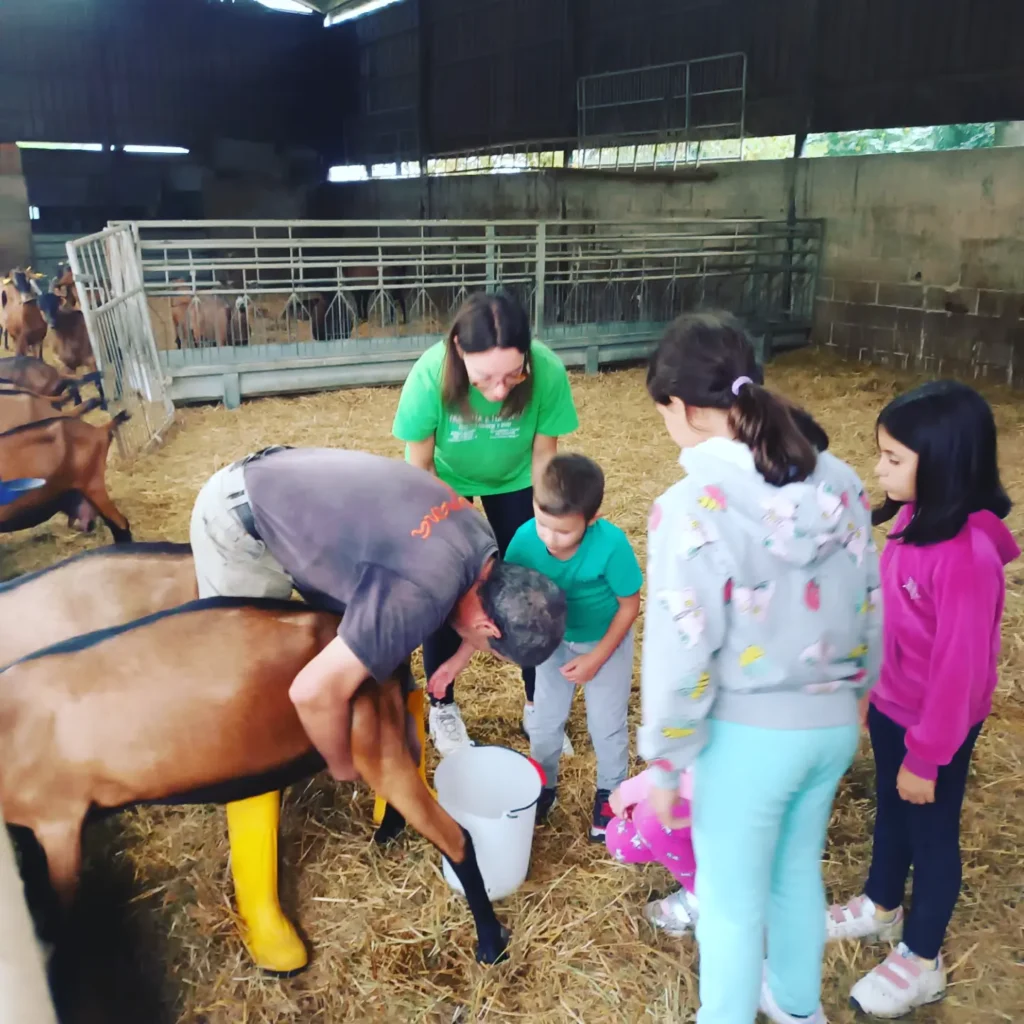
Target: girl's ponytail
(766,425)
(707,361)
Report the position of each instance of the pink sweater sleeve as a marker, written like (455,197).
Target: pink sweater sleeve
(635,789)
(966,605)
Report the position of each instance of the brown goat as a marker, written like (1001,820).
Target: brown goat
(38,377)
(192,706)
(73,347)
(18,407)
(61,601)
(71,456)
(23,320)
(64,288)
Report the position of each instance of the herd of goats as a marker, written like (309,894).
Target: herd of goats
(43,435)
(120,687)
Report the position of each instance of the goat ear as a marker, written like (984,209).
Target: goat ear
(6,280)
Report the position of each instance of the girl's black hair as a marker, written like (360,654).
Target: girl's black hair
(484,322)
(699,359)
(951,429)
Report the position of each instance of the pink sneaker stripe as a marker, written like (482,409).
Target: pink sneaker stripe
(886,972)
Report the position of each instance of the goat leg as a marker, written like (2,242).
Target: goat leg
(96,493)
(382,757)
(62,843)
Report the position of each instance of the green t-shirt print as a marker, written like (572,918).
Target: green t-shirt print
(486,454)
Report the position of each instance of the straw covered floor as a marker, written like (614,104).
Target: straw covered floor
(390,941)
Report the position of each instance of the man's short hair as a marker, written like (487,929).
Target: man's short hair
(529,610)
(570,484)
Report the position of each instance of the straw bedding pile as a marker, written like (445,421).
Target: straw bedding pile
(391,943)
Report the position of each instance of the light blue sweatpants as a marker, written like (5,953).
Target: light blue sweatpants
(762,799)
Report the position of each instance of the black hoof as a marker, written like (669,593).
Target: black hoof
(390,828)
(493,951)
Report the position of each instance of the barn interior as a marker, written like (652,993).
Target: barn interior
(338,175)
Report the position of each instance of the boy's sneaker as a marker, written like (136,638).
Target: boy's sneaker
(529,710)
(777,1015)
(857,920)
(674,915)
(545,803)
(447,730)
(603,813)
(898,985)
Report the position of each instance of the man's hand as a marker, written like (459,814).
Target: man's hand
(322,694)
(442,678)
(582,669)
(663,802)
(444,675)
(914,789)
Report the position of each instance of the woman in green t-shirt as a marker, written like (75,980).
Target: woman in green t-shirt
(481,410)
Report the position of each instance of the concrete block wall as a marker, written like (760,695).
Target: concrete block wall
(976,332)
(923,262)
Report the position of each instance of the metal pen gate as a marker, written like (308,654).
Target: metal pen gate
(247,308)
(108,276)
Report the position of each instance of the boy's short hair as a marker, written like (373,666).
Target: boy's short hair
(570,485)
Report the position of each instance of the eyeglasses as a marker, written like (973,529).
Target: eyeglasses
(510,379)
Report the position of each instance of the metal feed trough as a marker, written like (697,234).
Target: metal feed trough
(246,308)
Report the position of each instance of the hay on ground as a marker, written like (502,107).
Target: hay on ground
(390,941)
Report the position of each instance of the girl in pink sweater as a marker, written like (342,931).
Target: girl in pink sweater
(943,588)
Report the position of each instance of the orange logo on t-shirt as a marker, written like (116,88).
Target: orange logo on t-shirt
(439,513)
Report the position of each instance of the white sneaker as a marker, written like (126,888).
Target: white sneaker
(675,915)
(777,1015)
(856,920)
(898,985)
(447,730)
(529,710)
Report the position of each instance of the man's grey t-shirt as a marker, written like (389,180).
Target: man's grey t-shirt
(385,543)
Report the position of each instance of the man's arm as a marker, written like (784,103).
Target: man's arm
(322,694)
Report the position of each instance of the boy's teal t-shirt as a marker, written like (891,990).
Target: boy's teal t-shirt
(603,569)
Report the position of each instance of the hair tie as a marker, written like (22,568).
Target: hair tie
(738,383)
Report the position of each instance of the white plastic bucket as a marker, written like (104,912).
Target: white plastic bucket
(492,793)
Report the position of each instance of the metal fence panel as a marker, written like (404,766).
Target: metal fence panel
(680,102)
(113,298)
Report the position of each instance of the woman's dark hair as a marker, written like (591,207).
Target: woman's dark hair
(700,358)
(482,323)
(951,429)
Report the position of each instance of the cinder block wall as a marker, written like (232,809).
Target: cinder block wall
(924,252)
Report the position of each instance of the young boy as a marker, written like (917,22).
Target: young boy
(592,561)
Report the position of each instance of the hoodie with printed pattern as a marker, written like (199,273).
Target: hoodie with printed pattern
(763,603)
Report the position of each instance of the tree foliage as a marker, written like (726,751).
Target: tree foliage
(902,140)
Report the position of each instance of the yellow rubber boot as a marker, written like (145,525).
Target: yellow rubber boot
(416,707)
(269,936)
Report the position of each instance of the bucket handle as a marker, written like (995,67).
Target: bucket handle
(516,811)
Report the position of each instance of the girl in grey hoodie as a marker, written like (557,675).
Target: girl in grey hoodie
(762,634)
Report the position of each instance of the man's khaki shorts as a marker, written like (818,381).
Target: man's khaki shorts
(230,562)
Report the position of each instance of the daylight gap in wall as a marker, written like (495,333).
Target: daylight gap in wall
(672,155)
